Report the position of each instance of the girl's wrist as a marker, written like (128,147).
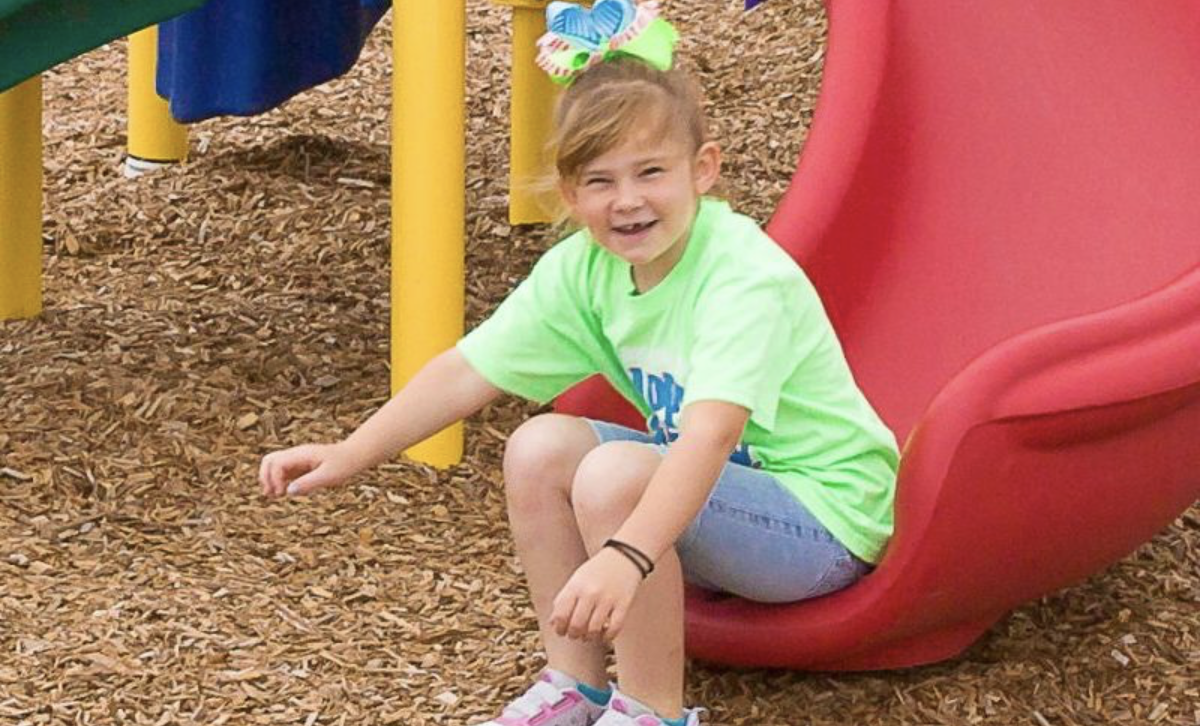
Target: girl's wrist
(351,457)
(639,559)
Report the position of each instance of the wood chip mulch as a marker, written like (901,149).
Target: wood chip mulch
(200,317)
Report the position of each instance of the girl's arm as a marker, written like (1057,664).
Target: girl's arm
(444,391)
(708,434)
(598,596)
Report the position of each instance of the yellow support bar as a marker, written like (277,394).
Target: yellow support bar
(533,98)
(154,136)
(428,195)
(21,200)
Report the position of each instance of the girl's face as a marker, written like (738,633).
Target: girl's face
(639,200)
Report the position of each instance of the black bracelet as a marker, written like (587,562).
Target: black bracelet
(639,559)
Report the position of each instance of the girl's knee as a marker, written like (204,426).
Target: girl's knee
(544,452)
(610,480)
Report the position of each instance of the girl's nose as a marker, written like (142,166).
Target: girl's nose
(628,197)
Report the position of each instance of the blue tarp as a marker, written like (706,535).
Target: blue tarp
(244,57)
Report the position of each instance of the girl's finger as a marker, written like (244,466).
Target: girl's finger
(307,484)
(278,475)
(262,475)
(270,475)
(564,604)
(580,618)
(600,617)
(616,621)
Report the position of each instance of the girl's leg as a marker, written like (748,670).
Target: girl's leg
(539,467)
(650,662)
(754,539)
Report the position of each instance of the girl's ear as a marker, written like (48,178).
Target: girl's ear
(570,195)
(707,168)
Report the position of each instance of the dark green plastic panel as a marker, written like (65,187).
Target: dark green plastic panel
(36,35)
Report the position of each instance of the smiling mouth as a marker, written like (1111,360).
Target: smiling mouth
(637,228)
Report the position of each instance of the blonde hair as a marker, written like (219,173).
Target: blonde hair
(610,102)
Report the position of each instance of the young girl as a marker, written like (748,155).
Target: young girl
(765,474)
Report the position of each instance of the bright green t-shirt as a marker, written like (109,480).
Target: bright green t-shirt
(735,320)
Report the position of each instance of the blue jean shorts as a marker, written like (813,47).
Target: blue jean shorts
(753,538)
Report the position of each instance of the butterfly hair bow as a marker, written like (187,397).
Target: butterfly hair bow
(578,38)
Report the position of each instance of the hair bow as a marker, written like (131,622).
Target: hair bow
(578,38)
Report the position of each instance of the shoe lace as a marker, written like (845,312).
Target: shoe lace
(528,704)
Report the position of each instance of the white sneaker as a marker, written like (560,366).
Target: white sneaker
(625,711)
(554,700)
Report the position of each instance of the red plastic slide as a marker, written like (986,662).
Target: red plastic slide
(1000,205)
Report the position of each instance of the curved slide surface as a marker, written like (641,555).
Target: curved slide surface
(998,204)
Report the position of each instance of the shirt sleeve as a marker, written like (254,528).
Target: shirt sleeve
(746,346)
(543,338)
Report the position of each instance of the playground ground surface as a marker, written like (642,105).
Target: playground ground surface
(200,317)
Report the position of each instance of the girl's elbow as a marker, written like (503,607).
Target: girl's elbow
(712,438)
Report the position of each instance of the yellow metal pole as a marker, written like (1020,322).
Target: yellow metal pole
(533,97)
(21,200)
(155,138)
(428,195)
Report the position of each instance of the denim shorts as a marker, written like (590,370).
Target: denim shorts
(753,538)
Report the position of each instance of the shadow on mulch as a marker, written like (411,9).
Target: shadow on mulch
(311,159)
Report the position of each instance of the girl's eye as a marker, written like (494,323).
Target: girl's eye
(595,182)
(653,171)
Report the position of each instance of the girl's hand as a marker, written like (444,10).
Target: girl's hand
(594,602)
(304,469)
